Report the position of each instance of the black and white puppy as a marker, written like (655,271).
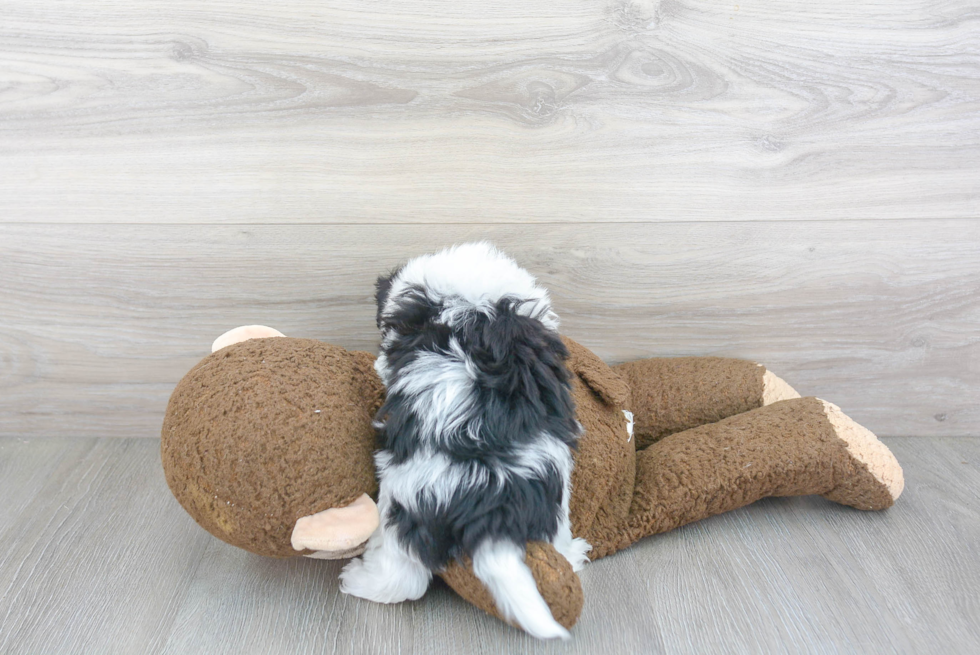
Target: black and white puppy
(477,433)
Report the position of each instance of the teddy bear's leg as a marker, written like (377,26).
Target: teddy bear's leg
(790,448)
(557,582)
(673,394)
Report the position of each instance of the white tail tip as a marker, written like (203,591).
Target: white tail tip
(500,567)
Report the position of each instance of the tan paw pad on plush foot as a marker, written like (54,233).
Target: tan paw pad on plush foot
(774,389)
(876,480)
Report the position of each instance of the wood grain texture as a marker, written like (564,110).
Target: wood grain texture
(99,558)
(354,111)
(98,323)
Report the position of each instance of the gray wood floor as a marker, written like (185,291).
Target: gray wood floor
(97,557)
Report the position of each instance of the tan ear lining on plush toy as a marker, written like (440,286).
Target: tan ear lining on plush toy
(244,333)
(338,532)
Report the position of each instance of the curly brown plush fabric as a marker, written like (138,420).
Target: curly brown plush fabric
(266,431)
(789,448)
(605,461)
(247,453)
(673,394)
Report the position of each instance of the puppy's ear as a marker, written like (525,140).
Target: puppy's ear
(382,289)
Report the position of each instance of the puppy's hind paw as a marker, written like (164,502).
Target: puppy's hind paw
(382,582)
(575,551)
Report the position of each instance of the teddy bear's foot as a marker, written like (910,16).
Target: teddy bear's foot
(874,479)
(774,388)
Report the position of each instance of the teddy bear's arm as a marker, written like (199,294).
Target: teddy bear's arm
(790,448)
(673,394)
(558,583)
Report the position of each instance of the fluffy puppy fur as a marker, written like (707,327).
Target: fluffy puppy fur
(476,433)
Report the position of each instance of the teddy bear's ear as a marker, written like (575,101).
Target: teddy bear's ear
(596,374)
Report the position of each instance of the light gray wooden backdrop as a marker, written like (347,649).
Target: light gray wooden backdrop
(794,182)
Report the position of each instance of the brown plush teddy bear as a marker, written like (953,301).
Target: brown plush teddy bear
(268,444)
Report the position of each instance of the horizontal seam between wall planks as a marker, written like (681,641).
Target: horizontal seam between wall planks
(464,223)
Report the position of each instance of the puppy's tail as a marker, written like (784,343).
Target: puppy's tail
(500,567)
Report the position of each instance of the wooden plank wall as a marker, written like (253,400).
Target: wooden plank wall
(792,182)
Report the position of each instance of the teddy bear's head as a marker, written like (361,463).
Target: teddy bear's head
(266,431)
(268,444)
